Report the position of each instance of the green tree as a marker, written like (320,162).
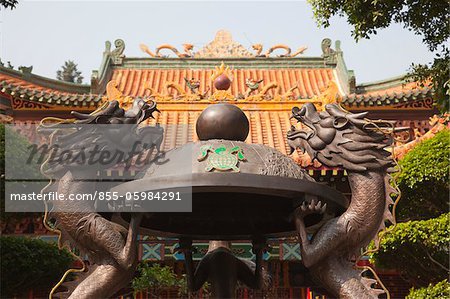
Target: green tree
(419,248)
(30,264)
(424,179)
(18,156)
(8,4)
(440,290)
(69,73)
(154,278)
(427,18)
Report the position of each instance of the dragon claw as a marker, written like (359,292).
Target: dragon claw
(313,207)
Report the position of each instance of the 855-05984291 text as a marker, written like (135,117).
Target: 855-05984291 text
(97,195)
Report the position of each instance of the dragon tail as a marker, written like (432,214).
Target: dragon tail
(352,283)
(69,286)
(95,283)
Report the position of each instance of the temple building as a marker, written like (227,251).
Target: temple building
(265,82)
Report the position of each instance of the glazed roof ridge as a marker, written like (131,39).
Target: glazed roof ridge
(222,48)
(398,89)
(395,80)
(43,82)
(48,96)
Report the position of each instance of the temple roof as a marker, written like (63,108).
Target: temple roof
(26,86)
(265,83)
(308,82)
(25,79)
(263,79)
(397,92)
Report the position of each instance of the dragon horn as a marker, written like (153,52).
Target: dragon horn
(358,115)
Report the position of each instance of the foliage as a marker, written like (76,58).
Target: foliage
(183,290)
(30,264)
(154,278)
(16,152)
(69,73)
(8,4)
(17,160)
(424,179)
(439,73)
(440,290)
(427,18)
(418,249)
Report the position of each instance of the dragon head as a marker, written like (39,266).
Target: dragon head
(338,138)
(111,113)
(110,131)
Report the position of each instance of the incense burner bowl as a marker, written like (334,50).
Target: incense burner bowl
(254,195)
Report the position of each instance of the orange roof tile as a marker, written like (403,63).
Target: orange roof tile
(23,83)
(310,82)
(38,83)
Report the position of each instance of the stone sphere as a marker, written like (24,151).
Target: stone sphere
(222,82)
(222,121)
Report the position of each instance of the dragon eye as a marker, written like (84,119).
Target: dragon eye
(302,111)
(340,122)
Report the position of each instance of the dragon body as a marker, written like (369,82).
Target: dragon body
(338,138)
(186,47)
(258,48)
(111,248)
(187,50)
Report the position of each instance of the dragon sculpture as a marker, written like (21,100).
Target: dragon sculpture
(194,86)
(258,48)
(252,85)
(289,94)
(338,138)
(223,269)
(329,95)
(111,248)
(187,50)
(186,47)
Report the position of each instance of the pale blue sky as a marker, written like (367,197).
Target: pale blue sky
(46,33)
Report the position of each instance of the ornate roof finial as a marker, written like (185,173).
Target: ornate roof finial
(222,77)
(117,54)
(26,69)
(219,70)
(223,46)
(114,94)
(327,53)
(330,95)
